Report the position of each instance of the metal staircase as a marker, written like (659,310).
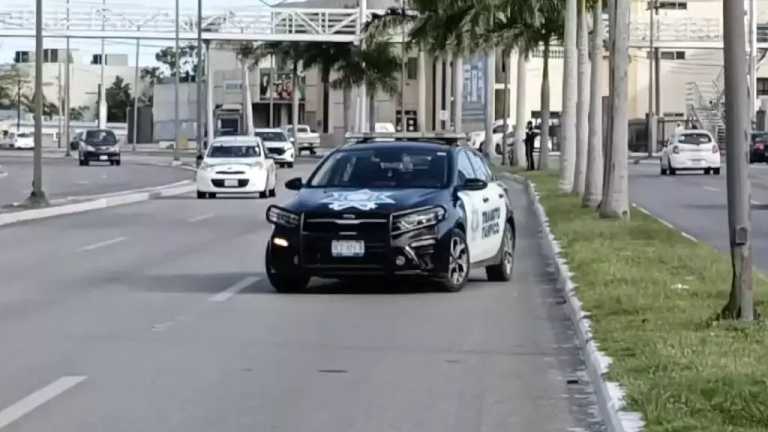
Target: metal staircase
(705,102)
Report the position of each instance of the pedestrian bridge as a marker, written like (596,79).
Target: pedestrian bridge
(119,19)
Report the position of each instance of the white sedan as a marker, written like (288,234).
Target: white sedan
(279,146)
(236,165)
(307,139)
(24,141)
(691,150)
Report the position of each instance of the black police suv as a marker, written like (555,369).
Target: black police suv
(391,207)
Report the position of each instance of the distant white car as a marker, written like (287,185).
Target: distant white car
(236,165)
(24,141)
(306,138)
(690,150)
(384,128)
(279,146)
(477,138)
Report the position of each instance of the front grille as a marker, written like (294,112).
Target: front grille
(319,232)
(219,183)
(276,151)
(230,172)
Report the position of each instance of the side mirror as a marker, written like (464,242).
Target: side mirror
(474,184)
(294,184)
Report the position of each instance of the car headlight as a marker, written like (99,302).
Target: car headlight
(115,149)
(417,219)
(282,217)
(256,165)
(89,148)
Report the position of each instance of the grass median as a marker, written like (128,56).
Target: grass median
(653,296)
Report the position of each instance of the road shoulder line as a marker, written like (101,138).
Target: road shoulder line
(233,290)
(610,395)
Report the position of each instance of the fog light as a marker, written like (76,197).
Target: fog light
(400,260)
(280,242)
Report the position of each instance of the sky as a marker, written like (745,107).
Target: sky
(8,46)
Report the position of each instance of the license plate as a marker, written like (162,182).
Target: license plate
(347,248)
(103,157)
(230,183)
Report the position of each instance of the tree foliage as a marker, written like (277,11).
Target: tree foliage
(187,62)
(118,100)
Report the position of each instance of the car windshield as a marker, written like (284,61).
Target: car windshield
(393,167)
(694,138)
(100,138)
(760,138)
(271,136)
(234,151)
(24,135)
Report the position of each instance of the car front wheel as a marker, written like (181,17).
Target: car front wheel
(458,263)
(282,282)
(502,271)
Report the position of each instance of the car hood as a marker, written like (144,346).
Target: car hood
(231,161)
(361,202)
(280,144)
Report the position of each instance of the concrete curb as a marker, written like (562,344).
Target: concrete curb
(610,395)
(106,201)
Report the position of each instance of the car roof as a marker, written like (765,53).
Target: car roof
(268,130)
(694,131)
(235,140)
(380,145)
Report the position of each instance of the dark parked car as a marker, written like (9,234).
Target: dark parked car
(758,147)
(96,145)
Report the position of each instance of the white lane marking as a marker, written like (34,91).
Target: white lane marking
(38,398)
(200,218)
(711,189)
(689,237)
(234,289)
(102,244)
(82,182)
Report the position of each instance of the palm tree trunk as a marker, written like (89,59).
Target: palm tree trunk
(326,103)
(607,147)
(616,200)
(505,110)
(568,119)
(371,110)
(295,102)
(544,139)
(248,100)
(520,119)
(490,115)
(345,103)
(594,183)
(582,107)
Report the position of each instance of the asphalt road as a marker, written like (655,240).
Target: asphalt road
(697,204)
(63,178)
(158,317)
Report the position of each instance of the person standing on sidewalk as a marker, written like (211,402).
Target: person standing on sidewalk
(530,138)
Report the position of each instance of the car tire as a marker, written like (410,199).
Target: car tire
(663,170)
(707,171)
(80,162)
(263,194)
(201,195)
(672,171)
(290,164)
(284,283)
(86,163)
(117,162)
(716,171)
(272,193)
(211,195)
(457,267)
(502,272)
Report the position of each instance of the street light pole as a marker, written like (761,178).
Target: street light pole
(740,303)
(402,72)
(37,197)
(176,88)
(752,61)
(136,92)
(651,54)
(66,91)
(198,80)
(102,88)
(18,104)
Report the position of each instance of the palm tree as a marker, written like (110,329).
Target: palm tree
(570,83)
(582,106)
(376,66)
(292,53)
(593,193)
(248,55)
(616,189)
(325,56)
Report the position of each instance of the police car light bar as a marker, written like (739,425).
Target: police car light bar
(448,138)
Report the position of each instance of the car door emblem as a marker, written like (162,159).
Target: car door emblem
(361,200)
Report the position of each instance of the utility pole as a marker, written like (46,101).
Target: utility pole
(60,98)
(18,104)
(402,71)
(209,105)
(176,71)
(37,197)
(136,92)
(740,303)
(66,92)
(752,62)
(199,82)
(272,90)
(652,122)
(103,60)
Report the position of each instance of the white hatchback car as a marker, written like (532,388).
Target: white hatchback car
(236,165)
(691,150)
(24,141)
(279,146)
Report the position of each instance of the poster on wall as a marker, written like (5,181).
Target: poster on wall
(282,88)
(473,108)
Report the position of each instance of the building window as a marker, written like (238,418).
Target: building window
(21,57)
(50,55)
(673,4)
(669,55)
(96,59)
(762,86)
(412,68)
(554,53)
